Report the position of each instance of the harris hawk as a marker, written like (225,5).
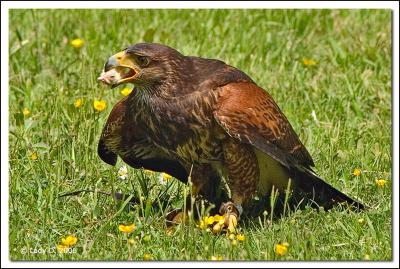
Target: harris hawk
(201,117)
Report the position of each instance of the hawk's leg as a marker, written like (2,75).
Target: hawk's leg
(205,183)
(243,175)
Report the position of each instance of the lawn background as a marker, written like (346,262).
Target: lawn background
(348,90)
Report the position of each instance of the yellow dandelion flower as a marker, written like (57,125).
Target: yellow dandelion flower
(78,103)
(202,225)
(380,183)
(77,43)
(34,156)
(26,112)
(240,237)
(210,220)
(309,62)
(360,220)
(126,228)
(147,257)
(99,105)
(216,258)
(356,172)
(126,91)
(62,248)
(164,178)
(218,218)
(69,241)
(281,249)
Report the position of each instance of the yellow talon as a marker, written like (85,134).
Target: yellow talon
(217,228)
(232,223)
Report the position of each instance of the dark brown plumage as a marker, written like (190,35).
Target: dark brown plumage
(201,115)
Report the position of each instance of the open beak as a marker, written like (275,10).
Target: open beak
(119,69)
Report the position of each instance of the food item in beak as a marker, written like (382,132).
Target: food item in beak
(110,77)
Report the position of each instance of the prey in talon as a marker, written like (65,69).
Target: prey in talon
(204,118)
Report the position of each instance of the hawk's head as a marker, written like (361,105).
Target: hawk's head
(143,64)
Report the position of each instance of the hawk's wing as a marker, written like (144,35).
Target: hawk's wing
(124,138)
(249,114)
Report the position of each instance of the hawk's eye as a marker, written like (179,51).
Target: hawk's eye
(142,60)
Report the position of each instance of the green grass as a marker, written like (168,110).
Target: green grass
(349,89)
